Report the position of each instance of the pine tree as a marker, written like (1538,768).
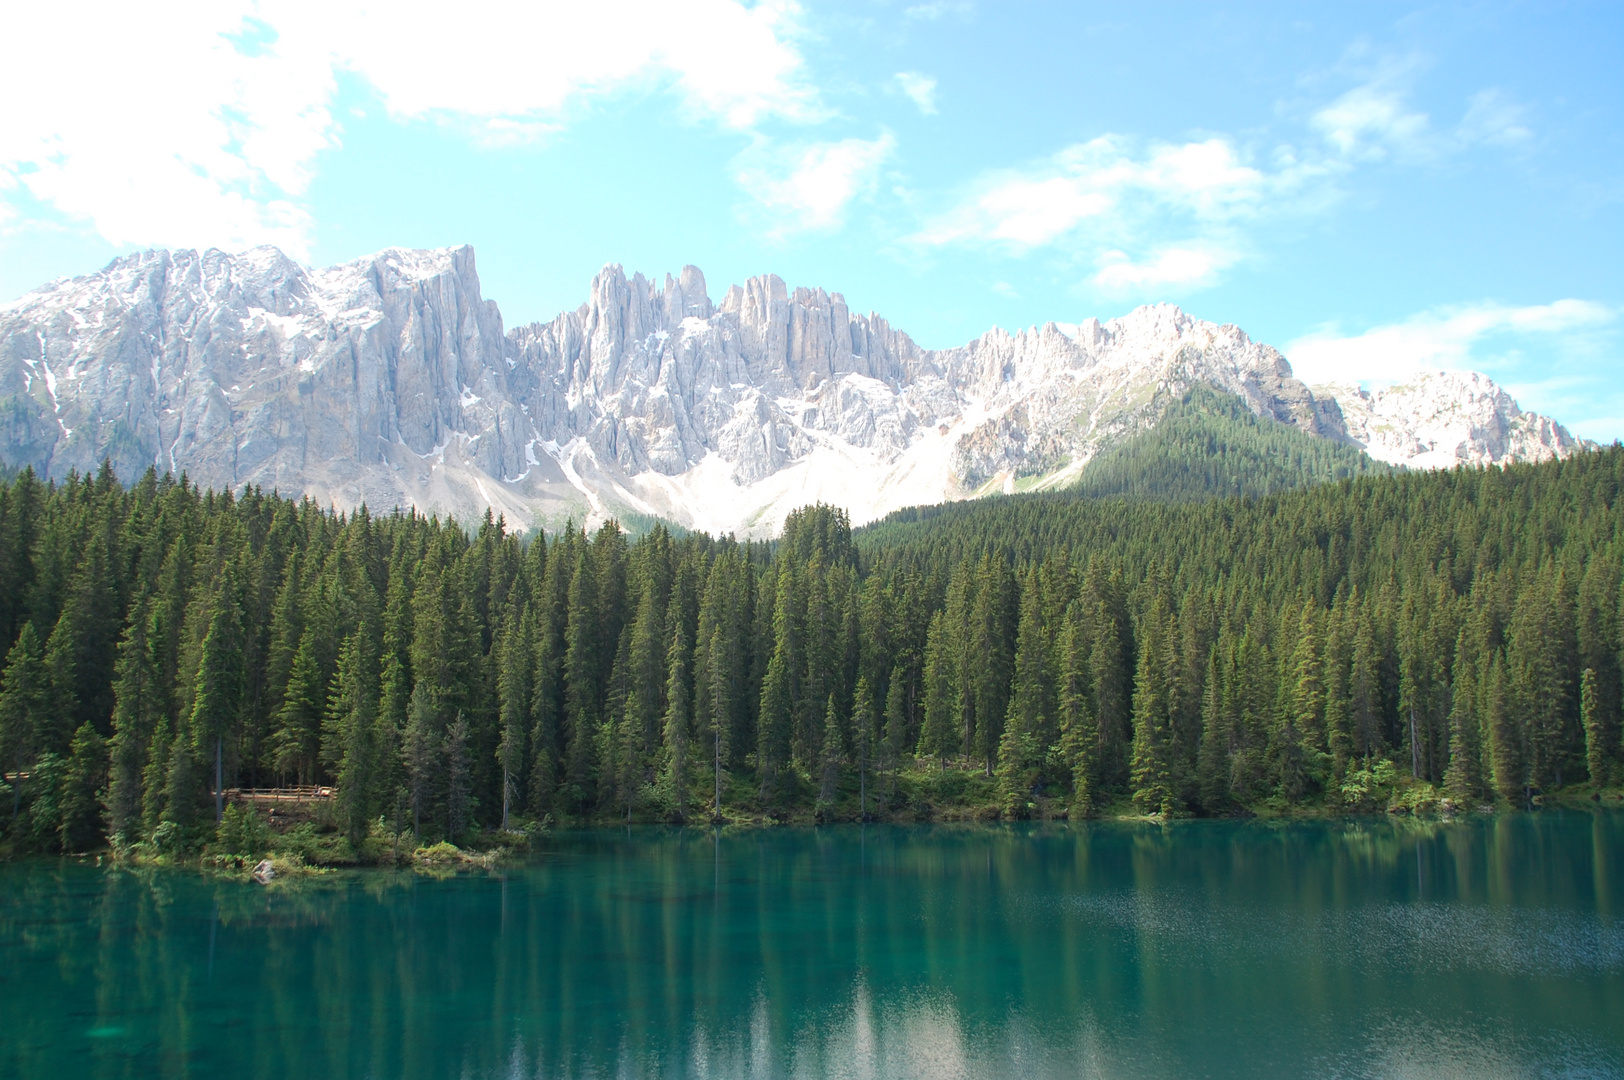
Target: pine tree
(514,690)
(1510,777)
(353,712)
(864,724)
(1020,748)
(217,694)
(1305,716)
(779,690)
(938,736)
(1212,770)
(25,701)
(1152,773)
(458,788)
(135,721)
(1079,735)
(1463,778)
(675,773)
(583,659)
(420,748)
(1338,707)
(829,780)
(1111,664)
(894,743)
(1596,742)
(83,789)
(992,635)
(1364,695)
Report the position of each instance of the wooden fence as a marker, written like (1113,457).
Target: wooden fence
(279,795)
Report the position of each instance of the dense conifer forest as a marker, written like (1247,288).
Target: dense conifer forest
(1351,646)
(1210,444)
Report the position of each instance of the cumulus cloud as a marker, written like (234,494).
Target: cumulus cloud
(921,89)
(808,187)
(202,123)
(1444,339)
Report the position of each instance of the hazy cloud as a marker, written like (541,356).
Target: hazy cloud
(936,9)
(808,187)
(921,89)
(1493,118)
(1442,339)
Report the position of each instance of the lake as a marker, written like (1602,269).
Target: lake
(1488,947)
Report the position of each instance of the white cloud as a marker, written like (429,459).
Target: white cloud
(808,188)
(1105,181)
(920,88)
(1375,120)
(1154,215)
(1443,339)
(201,122)
(1371,121)
(1147,217)
(1173,266)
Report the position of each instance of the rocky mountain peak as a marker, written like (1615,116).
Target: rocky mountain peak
(391,380)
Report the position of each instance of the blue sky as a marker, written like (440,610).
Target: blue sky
(1374,188)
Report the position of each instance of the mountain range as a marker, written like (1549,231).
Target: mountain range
(392,381)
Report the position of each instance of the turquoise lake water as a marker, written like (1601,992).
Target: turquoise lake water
(1479,948)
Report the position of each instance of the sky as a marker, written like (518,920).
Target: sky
(1374,188)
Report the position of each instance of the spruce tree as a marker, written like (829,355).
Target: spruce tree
(894,743)
(583,649)
(1505,751)
(515,682)
(674,777)
(1596,742)
(864,725)
(458,786)
(353,712)
(1305,715)
(217,693)
(1463,778)
(1151,771)
(25,701)
(1079,735)
(135,719)
(82,827)
(1020,748)
(1212,770)
(419,749)
(829,778)
(938,735)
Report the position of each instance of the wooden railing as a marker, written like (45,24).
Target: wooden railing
(286,794)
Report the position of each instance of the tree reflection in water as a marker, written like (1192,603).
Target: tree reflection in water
(1481,947)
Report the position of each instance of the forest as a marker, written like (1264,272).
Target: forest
(1425,639)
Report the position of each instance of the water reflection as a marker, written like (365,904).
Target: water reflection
(1481,948)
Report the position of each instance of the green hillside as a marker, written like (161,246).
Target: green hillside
(1210,445)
